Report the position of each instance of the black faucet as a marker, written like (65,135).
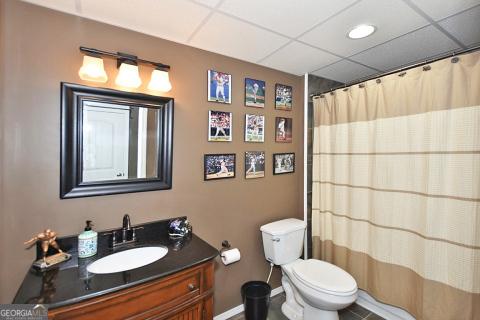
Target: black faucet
(127,226)
(127,232)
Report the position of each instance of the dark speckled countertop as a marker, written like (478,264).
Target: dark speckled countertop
(70,282)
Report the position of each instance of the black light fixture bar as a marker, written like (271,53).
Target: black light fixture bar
(123,57)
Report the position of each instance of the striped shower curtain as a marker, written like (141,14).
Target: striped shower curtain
(396,187)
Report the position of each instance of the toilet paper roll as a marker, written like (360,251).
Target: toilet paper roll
(230,256)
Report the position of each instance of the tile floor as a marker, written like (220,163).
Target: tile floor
(353,312)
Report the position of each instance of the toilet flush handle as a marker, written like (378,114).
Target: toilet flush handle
(276,239)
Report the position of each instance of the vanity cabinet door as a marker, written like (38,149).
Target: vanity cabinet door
(192,313)
(185,295)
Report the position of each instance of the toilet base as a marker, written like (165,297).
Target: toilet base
(290,308)
(311,313)
(292,313)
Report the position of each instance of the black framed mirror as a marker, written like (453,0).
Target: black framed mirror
(114,142)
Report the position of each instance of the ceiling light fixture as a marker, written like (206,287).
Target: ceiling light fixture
(128,73)
(361,31)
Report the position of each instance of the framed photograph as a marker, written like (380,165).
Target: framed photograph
(254,93)
(254,128)
(283,129)
(219,166)
(219,87)
(254,164)
(283,163)
(283,97)
(219,126)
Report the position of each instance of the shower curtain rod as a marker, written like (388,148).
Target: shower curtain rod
(411,66)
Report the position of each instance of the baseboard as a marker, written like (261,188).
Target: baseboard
(276,291)
(229,313)
(383,310)
(239,309)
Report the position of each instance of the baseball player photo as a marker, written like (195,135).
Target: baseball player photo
(283,97)
(219,166)
(254,128)
(254,93)
(254,164)
(283,129)
(219,87)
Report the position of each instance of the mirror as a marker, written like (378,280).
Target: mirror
(119,142)
(114,141)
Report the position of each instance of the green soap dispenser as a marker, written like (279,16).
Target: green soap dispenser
(87,241)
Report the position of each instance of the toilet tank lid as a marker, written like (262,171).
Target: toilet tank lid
(284,226)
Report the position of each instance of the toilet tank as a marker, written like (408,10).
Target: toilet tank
(283,240)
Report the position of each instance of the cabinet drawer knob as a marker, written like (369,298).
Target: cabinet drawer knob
(191,287)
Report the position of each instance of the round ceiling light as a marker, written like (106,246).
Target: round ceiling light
(361,31)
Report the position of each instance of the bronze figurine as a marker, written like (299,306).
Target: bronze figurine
(47,238)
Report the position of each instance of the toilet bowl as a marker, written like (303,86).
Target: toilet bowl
(315,289)
(319,287)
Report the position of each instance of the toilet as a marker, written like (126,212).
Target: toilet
(315,289)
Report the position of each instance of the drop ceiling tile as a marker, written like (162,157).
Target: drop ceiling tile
(67,6)
(234,38)
(447,8)
(345,71)
(169,19)
(210,3)
(287,17)
(464,26)
(413,47)
(391,17)
(298,58)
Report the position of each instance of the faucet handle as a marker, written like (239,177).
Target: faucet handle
(114,236)
(134,234)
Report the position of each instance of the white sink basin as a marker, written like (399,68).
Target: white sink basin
(127,260)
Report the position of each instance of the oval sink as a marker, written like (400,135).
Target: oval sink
(127,260)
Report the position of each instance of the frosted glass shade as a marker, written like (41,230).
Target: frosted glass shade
(92,69)
(128,76)
(160,81)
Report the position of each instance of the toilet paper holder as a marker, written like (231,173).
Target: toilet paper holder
(229,255)
(225,246)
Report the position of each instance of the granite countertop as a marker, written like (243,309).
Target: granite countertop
(70,282)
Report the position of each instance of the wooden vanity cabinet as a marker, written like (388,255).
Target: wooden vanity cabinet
(185,295)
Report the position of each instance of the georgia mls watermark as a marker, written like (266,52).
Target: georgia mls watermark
(23,312)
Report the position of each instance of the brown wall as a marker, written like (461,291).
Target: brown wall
(40,50)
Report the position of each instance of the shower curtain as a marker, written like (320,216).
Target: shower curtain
(396,187)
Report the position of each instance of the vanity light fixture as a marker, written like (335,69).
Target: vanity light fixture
(92,69)
(128,73)
(361,31)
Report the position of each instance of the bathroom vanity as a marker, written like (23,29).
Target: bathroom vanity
(178,286)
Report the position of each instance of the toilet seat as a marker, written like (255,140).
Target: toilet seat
(325,277)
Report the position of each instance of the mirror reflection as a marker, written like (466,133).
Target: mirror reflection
(119,142)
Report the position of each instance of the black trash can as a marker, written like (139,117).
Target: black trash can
(256,299)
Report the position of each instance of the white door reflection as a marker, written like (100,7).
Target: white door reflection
(119,142)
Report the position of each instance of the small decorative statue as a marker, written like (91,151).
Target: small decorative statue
(48,239)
